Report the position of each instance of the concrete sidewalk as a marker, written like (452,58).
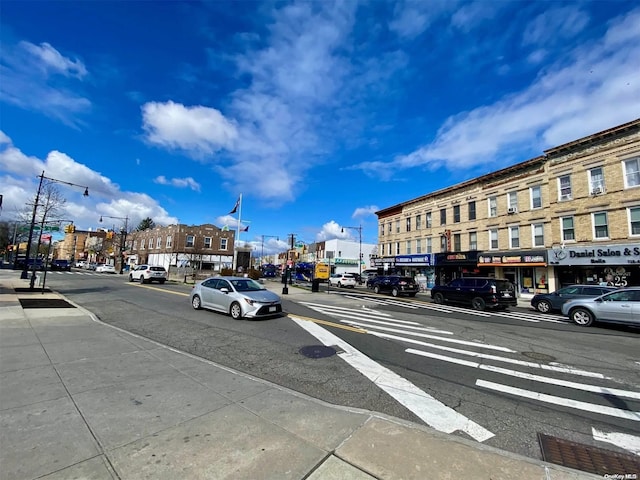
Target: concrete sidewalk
(83,400)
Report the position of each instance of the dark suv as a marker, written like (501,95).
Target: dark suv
(479,292)
(395,284)
(61,265)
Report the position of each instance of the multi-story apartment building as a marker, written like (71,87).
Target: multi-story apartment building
(571,215)
(93,246)
(205,247)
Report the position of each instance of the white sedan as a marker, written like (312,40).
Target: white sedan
(342,280)
(105,269)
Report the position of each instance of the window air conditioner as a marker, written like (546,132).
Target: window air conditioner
(597,190)
(512,210)
(565,197)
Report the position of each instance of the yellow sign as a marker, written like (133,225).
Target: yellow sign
(322,271)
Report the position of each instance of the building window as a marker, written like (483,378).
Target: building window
(564,187)
(223,243)
(382,229)
(596,181)
(514,237)
(168,244)
(443,216)
(512,201)
(418,246)
(493,206)
(632,173)
(493,239)
(389,229)
(135,244)
(207,242)
(456,214)
(443,243)
(397,248)
(142,244)
(472,210)
(408,247)
(158,242)
(536,197)
(473,240)
(397,226)
(428,219)
(537,230)
(634,221)
(429,245)
(190,241)
(457,242)
(600,225)
(408,224)
(390,249)
(568,230)
(418,222)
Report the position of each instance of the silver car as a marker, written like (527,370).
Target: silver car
(621,306)
(240,297)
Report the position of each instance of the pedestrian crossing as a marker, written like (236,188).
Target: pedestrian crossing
(498,368)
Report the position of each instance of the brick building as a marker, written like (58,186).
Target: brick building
(570,215)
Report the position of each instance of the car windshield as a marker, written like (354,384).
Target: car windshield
(246,285)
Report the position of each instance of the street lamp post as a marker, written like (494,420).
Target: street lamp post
(25,271)
(359,229)
(123,237)
(262,252)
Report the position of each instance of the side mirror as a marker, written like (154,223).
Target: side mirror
(224,290)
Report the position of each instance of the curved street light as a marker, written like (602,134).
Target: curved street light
(123,237)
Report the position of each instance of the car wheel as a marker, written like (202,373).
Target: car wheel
(543,306)
(235,311)
(196,303)
(412,294)
(582,317)
(478,303)
(339,285)
(142,280)
(376,289)
(394,292)
(130,278)
(161,281)
(438,298)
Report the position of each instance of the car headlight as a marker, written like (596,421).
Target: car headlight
(249,301)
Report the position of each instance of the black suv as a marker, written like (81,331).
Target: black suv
(394,284)
(61,265)
(479,292)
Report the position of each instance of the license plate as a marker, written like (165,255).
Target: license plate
(272,309)
(506,295)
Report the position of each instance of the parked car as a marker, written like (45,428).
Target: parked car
(478,292)
(365,275)
(59,264)
(342,280)
(240,297)
(546,302)
(105,268)
(81,264)
(396,285)
(620,306)
(148,274)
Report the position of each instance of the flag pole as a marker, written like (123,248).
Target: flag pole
(235,250)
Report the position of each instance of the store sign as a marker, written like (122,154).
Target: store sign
(415,260)
(383,262)
(605,255)
(346,261)
(503,260)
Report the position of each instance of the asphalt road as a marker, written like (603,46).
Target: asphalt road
(511,375)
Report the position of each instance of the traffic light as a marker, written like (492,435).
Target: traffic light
(71,228)
(109,235)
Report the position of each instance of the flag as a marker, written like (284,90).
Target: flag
(245,229)
(235,209)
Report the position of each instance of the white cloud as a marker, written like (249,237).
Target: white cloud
(53,61)
(332,229)
(555,25)
(411,18)
(178,182)
(199,130)
(361,212)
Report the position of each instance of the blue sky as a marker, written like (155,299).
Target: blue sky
(319,113)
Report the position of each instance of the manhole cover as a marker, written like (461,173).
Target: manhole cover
(45,303)
(317,351)
(539,356)
(588,459)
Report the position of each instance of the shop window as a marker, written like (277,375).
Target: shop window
(596,181)
(634,221)
(456,214)
(473,240)
(632,173)
(457,242)
(443,216)
(472,210)
(600,226)
(493,239)
(537,230)
(564,188)
(493,206)
(514,237)
(568,231)
(428,219)
(536,197)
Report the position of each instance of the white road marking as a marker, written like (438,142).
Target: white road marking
(529,376)
(377,313)
(430,410)
(622,440)
(564,402)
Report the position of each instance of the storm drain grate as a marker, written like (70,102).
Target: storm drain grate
(45,303)
(317,351)
(587,458)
